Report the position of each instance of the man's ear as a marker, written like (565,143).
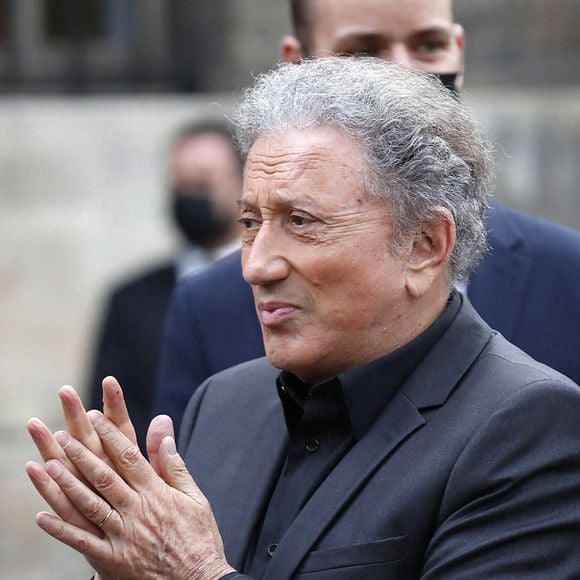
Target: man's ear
(459,39)
(429,259)
(291,49)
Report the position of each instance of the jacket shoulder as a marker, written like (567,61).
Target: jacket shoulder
(221,275)
(233,395)
(158,279)
(218,289)
(533,235)
(503,370)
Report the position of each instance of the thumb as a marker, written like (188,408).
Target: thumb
(159,428)
(174,471)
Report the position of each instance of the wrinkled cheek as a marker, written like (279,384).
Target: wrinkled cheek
(347,312)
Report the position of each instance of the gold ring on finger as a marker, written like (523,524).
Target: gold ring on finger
(106,518)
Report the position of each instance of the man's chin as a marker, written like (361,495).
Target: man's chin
(281,355)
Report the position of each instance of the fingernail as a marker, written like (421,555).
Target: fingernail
(42,519)
(95,417)
(170,445)
(33,423)
(53,468)
(63,438)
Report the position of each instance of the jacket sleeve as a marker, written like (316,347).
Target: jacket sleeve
(511,508)
(182,366)
(106,359)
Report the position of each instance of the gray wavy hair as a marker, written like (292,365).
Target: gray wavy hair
(422,148)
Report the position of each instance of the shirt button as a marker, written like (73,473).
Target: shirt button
(272,549)
(312,445)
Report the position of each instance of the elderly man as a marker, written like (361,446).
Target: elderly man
(526,286)
(403,438)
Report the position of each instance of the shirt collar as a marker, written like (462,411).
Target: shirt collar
(367,389)
(195,258)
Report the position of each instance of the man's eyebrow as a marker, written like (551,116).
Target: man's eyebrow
(367,35)
(435,30)
(359,35)
(298,202)
(245,202)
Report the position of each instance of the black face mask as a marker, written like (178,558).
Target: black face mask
(196,217)
(448,80)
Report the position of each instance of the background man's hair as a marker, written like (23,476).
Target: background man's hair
(422,148)
(206,127)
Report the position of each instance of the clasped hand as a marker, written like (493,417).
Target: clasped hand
(128,517)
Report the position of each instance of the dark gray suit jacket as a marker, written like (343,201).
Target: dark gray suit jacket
(471,471)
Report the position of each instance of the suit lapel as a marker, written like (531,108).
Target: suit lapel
(240,494)
(401,419)
(429,386)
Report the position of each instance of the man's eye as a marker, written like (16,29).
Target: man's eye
(248,223)
(433,46)
(300,221)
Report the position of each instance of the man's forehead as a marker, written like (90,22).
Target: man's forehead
(287,161)
(294,153)
(294,162)
(385,15)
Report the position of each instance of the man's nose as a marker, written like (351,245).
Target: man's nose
(399,54)
(264,260)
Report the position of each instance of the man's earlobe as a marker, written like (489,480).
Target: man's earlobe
(430,255)
(290,49)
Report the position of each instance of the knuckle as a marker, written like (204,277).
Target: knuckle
(83,545)
(67,484)
(93,510)
(59,532)
(75,454)
(181,471)
(123,504)
(104,480)
(130,456)
(105,430)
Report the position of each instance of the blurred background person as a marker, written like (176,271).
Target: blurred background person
(204,182)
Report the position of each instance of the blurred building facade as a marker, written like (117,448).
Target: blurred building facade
(89,93)
(67,46)
(185,45)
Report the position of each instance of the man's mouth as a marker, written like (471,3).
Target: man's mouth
(272,313)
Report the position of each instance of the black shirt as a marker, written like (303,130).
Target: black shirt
(324,421)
